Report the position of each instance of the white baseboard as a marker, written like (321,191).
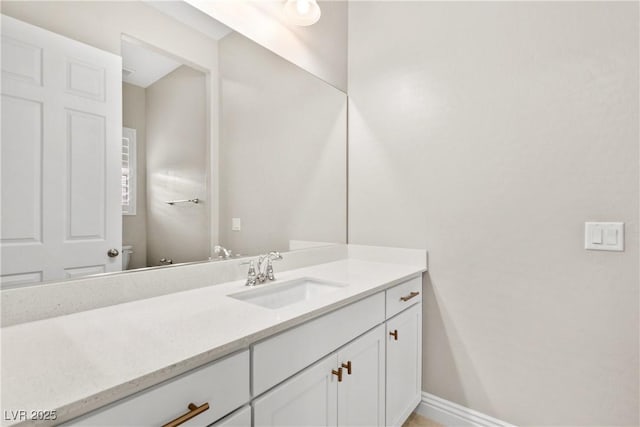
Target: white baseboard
(451,414)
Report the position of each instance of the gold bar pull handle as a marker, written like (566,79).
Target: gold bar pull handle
(194,411)
(408,297)
(338,374)
(394,334)
(347,366)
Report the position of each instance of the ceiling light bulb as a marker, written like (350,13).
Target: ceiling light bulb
(303,7)
(302,12)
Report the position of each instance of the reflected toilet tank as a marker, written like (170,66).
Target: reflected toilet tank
(127,251)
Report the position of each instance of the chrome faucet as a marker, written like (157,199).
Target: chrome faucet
(265,269)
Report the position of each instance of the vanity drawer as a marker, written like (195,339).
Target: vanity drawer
(279,357)
(223,385)
(403,296)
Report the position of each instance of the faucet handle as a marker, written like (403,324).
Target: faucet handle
(273,256)
(251,275)
(270,274)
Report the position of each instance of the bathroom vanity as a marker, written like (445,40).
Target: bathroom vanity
(334,340)
(233,355)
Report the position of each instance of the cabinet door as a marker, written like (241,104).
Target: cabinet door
(404,364)
(361,392)
(240,418)
(308,399)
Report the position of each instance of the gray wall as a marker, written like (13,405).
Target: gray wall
(177,167)
(282,151)
(134,227)
(489,133)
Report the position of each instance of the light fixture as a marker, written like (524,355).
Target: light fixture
(302,12)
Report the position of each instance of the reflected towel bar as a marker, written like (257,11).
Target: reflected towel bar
(173,202)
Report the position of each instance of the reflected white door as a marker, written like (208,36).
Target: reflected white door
(60,148)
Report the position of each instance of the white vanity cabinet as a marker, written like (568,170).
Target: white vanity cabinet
(281,356)
(203,395)
(359,365)
(344,388)
(373,380)
(404,351)
(361,394)
(240,418)
(308,399)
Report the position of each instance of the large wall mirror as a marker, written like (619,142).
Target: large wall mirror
(231,156)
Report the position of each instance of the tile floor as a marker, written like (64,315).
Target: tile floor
(416,420)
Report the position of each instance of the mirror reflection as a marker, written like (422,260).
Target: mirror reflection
(282,153)
(207,163)
(164,160)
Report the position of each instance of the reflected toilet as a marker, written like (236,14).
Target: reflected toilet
(127,251)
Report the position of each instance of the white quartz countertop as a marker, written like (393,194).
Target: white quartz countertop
(79,362)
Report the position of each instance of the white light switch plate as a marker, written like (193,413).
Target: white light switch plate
(235,224)
(604,236)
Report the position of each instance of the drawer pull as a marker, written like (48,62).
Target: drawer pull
(408,297)
(193,412)
(347,366)
(338,374)
(394,334)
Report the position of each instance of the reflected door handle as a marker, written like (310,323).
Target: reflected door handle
(113,253)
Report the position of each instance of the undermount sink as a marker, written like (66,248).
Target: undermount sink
(278,295)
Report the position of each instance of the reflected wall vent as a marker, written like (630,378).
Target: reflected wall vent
(126,72)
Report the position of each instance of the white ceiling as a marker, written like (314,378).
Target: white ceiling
(192,17)
(148,66)
(142,66)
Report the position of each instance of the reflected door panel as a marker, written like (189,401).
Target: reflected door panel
(61,121)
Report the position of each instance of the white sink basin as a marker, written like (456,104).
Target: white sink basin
(278,295)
